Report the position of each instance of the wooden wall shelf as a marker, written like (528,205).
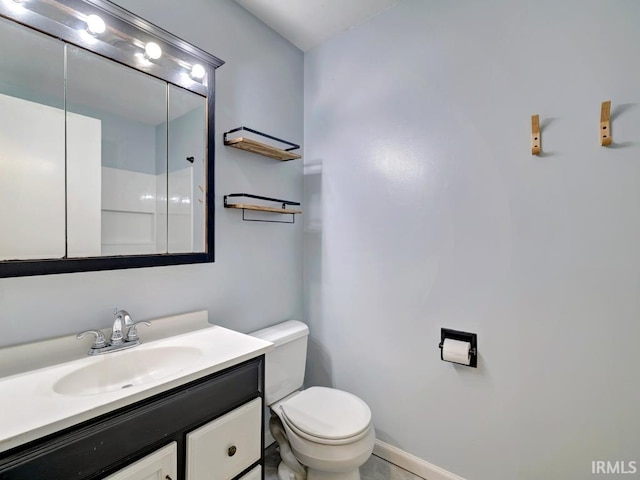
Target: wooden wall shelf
(262,208)
(260,148)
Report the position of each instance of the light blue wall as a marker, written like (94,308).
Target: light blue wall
(126,144)
(239,288)
(425,209)
(186,139)
(41,78)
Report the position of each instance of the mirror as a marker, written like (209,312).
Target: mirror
(116,159)
(103,165)
(32,154)
(186,171)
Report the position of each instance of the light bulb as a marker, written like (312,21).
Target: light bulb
(152,51)
(95,25)
(16,5)
(198,72)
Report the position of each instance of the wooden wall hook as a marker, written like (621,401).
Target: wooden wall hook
(535,135)
(605,123)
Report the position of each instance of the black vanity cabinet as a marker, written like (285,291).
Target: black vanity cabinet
(208,429)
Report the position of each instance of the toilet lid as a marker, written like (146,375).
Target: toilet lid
(327,413)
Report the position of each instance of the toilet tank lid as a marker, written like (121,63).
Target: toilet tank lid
(282,332)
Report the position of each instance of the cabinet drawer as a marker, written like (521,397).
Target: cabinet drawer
(255,474)
(224,447)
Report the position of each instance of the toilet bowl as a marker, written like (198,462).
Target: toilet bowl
(323,433)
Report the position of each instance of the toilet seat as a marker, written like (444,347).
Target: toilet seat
(327,416)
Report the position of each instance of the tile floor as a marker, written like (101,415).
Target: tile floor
(374,469)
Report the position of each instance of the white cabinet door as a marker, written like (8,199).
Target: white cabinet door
(223,448)
(160,465)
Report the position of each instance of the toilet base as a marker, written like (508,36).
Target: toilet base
(285,473)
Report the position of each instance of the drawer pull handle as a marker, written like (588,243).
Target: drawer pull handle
(232,450)
(167,477)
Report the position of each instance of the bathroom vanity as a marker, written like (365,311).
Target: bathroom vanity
(80,420)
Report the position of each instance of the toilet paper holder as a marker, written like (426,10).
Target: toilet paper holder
(472,338)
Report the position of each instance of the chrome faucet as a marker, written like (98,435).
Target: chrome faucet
(118,341)
(122,317)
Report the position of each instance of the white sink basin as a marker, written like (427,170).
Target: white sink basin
(128,368)
(50,397)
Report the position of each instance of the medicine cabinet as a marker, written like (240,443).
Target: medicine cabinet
(106,141)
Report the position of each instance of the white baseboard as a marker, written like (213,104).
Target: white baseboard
(411,463)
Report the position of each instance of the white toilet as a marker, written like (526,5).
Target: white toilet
(323,433)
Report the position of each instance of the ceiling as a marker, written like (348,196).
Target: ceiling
(308,23)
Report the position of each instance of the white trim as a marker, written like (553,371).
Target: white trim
(413,464)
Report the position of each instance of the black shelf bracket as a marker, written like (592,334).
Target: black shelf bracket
(245,219)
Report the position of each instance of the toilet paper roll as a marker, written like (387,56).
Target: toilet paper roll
(456,351)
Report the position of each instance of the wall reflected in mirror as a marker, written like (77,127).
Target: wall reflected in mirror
(186,171)
(118,167)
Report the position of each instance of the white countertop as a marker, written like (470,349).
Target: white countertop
(30,408)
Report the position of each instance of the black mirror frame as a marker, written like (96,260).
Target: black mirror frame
(134,25)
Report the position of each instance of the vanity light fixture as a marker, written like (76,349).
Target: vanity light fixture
(95,25)
(104,28)
(152,51)
(197,72)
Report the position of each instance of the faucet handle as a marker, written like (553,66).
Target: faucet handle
(132,334)
(99,342)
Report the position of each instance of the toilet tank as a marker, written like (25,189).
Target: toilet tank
(284,366)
